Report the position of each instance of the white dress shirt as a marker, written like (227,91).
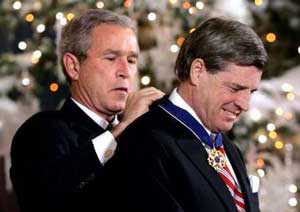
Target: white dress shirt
(105,143)
(177,100)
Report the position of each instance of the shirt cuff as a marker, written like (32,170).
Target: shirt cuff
(105,146)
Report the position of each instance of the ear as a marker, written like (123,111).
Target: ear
(197,70)
(72,65)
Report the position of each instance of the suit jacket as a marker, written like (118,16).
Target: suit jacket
(54,164)
(162,167)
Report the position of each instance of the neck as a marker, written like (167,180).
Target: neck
(185,91)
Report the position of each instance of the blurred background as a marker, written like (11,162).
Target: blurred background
(269,134)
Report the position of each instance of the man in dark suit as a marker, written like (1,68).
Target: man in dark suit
(176,157)
(58,157)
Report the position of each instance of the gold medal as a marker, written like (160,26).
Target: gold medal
(216,159)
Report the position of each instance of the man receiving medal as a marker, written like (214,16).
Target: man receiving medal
(176,157)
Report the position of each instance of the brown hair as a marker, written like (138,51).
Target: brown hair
(218,42)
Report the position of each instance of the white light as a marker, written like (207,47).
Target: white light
(40,28)
(152,16)
(293,188)
(286,87)
(17,5)
(200,5)
(100,4)
(192,10)
(262,139)
(37,54)
(293,202)
(279,111)
(25,81)
(173,1)
(271,127)
(22,45)
(299,49)
(255,114)
(59,15)
(145,80)
(63,21)
(174,48)
(260,172)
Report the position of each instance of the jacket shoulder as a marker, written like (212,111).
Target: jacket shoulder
(41,120)
(156,128)
(38,130)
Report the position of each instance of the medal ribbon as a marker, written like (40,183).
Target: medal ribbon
(191,123)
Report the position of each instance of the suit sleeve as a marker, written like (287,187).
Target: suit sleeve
(142,176)
(47,169)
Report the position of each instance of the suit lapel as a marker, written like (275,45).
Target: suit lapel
(86,128)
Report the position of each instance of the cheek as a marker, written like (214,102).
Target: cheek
(134,81)
(220,104)
(225,98)
(104,77)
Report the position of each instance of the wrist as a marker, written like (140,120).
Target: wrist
(118,129)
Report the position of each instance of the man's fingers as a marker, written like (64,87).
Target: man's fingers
(149,92)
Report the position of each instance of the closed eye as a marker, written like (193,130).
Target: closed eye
(132,60)
(110,58)
(253,91)
(234,89)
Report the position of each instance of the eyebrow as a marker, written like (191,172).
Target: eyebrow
(238,86)
(118,52)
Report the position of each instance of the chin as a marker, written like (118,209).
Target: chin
(118,108)
(226,127)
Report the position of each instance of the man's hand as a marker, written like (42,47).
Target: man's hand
(137,104)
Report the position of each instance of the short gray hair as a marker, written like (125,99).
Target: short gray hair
(75,36)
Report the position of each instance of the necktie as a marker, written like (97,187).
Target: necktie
(230,182)
(109,126)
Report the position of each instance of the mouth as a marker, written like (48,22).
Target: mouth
(231,115)
(121,89)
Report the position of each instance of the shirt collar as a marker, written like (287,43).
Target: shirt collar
(177,100)
(95,117)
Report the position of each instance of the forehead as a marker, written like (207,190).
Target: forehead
(112,36)
(105,31)
(247,76)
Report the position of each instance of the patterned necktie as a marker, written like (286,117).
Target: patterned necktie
(231,184)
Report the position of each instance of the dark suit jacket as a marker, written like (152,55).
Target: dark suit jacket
(54,164)
(163,168)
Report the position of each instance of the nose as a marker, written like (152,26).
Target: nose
(123,68)
(243,101)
